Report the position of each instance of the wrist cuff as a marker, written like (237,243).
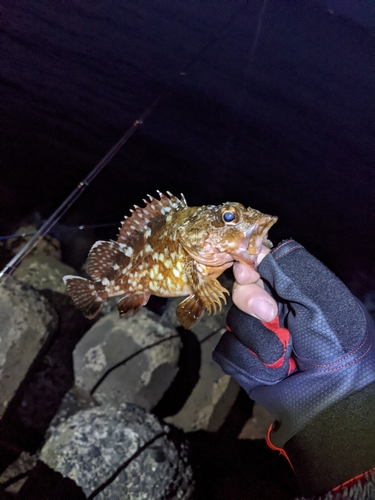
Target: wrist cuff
(338,444)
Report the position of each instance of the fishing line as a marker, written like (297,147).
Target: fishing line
(81,227)
(80,188)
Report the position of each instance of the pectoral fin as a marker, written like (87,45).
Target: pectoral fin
(212,294)
(204,283)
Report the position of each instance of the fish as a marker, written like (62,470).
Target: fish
(169,249)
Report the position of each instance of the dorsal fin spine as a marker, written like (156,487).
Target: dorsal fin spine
(141,216)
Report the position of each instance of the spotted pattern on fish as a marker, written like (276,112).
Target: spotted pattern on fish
(169,249)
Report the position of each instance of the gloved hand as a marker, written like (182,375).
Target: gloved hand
(312,368)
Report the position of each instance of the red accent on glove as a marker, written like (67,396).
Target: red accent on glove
(361,478)
(283,335)
(273,447)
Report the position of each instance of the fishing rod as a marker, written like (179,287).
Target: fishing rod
(74,195)
(78,190)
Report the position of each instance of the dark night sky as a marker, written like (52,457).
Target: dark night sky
(275,110)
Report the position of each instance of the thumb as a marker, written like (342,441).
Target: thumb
(252,299)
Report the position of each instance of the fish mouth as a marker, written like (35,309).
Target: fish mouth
(259,235)
(251,246)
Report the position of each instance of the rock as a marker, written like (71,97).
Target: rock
(257,426)
(105,350)
(120,452)
(19,468)
(48,246)
(27,320)
(211,399)
(214,394)
(43,272)
(74,400)
(41,393)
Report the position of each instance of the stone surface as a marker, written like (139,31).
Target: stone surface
(43,272)
(75,400)
(107,346)
(214,394)
(212,397)
(257,426)
(48,246)
(26,322)
(120,453)
(24,463)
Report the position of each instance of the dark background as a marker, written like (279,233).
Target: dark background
(266,102)
(274,109)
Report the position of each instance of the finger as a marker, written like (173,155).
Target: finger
(254,300)
(263,253)
(245,274)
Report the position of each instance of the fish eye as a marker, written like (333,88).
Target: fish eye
(229,217)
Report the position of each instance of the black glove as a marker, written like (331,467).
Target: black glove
(313,369)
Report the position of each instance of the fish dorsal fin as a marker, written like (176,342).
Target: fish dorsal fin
(145,218)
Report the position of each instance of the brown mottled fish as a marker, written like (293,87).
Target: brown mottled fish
(169,249)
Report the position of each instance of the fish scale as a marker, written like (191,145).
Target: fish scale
(169,249)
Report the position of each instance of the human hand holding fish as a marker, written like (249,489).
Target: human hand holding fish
(169,249)
(312,368)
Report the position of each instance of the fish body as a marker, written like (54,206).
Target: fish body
(169,249)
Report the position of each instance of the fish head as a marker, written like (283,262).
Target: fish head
(215,235)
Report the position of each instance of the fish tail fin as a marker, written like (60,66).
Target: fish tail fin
(87,295)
